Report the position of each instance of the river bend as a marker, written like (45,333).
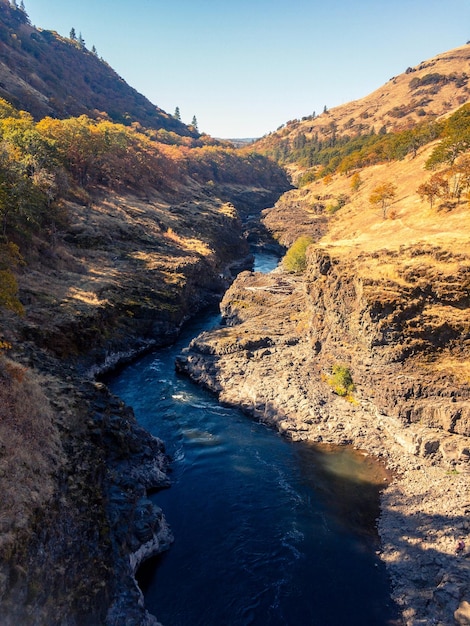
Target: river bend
(267,532)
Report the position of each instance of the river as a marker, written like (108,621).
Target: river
(267,532)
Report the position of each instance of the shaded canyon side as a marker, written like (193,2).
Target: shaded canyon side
(121,279)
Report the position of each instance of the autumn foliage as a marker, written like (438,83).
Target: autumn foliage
(46,162)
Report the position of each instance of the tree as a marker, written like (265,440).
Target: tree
(382,195)
(295,259)
(194,122)
(461,175)
(356,181)
(81,41)
(456,139)
(433,188)
(177,114)
(73,34)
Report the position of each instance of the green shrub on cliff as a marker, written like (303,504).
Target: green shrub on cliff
(295,258)
(341,380)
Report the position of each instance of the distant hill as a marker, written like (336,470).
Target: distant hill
(420,94)
(241,142)
(47,74)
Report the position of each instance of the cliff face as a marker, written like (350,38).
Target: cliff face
(128,271)
(284,332)
(405,338)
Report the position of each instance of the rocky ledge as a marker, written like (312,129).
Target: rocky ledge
(275,357)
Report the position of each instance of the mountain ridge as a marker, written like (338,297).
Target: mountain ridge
(46,74)
(426,92)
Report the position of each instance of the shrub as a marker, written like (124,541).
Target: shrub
(307,177)
(341,200)
(356,181)
(341,380)
(295,258)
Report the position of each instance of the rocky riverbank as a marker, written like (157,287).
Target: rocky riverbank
(120,280)
(274,357)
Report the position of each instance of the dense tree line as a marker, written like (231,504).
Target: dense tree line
(331,152)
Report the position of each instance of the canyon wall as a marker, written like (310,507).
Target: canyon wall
(350,352)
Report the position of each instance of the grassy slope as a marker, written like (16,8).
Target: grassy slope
(376,109)
(385,250)
(47,74)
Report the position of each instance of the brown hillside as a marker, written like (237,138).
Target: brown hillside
(412,265)
(431,89)
(46,74)
(414,247)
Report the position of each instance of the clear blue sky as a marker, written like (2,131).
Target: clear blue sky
(245,67)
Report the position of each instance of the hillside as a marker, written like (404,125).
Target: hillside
(112,243)
(420,95)
(47,74)
(118,223)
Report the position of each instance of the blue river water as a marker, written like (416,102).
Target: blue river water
(267,532)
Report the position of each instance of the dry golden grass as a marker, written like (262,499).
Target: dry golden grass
(191,244)
(416,250)
(459,368)
(87,297)
(397,93)
(376,109)
(358,231)
(359,227)
(30,448)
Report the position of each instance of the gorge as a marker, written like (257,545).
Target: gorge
(119,224)
(266,531)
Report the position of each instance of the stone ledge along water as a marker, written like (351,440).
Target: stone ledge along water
(267,532)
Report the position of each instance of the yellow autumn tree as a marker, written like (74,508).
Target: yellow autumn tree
(382,196)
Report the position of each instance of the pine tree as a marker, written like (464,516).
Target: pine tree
(194,122)
(177,114)
(73,34)
(81,41)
